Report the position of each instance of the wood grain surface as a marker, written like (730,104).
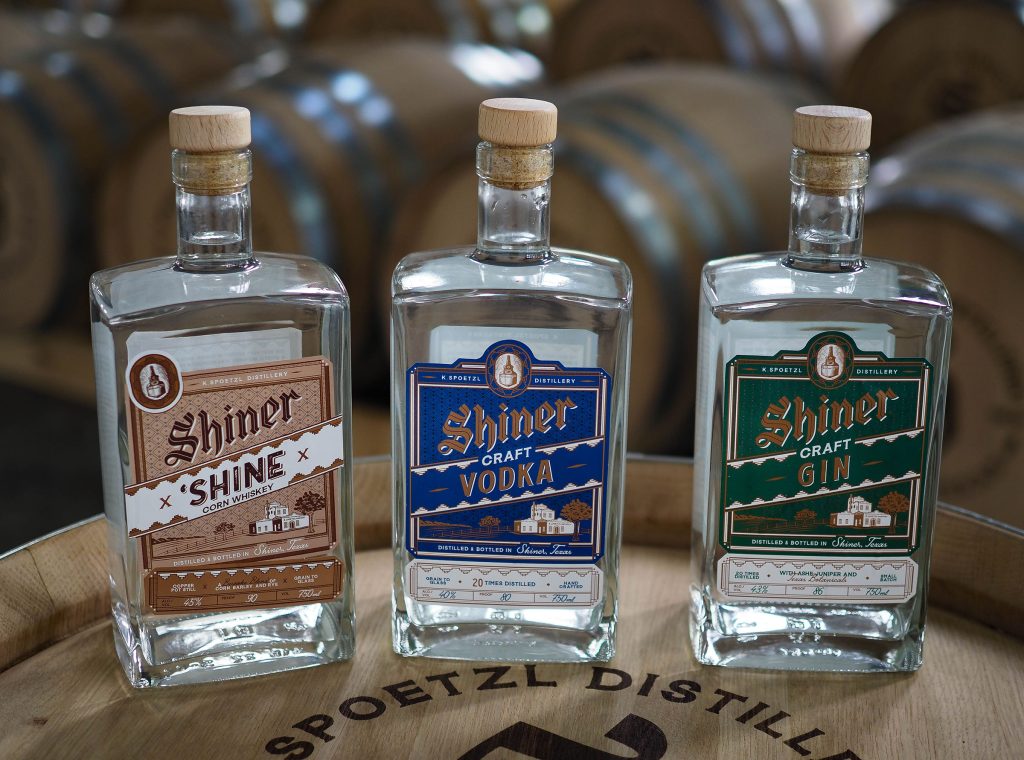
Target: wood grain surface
(652,701)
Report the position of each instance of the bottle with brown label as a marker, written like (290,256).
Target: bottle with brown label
(223,396)
(821,387)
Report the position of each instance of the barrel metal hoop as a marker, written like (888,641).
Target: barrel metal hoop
(71,214)
(107,113)
(987,213)
(738,203)
(317,104)
(389,127)
(305,197)
(664,253)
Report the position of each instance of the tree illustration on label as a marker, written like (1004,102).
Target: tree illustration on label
(224,529)
(805,518)
(894,504)
(577,511)
(490,523)
(309,503)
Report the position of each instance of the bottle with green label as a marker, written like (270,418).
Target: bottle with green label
(821,387)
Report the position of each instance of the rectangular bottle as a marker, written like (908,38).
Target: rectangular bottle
(510,372)
(223,398)
(821,387)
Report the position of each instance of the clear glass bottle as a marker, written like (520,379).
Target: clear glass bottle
(510,377)
(821,388)
(223,399)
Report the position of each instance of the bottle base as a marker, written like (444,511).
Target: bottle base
(820,638)
(225,646)
(503,642)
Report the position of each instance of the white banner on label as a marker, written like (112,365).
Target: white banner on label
(506,585)
(800,579)
(234,479)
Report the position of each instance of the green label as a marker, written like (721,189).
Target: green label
(824,450)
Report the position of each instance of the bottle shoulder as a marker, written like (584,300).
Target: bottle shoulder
(156,283)
(756,278)
(563,272)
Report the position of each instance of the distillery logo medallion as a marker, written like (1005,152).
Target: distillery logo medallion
(154,382)
(508,369)
(830,361)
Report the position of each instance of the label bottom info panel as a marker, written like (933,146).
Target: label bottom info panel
(505,585)
(801,579)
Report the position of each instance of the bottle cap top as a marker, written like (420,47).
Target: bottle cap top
(210,129)
(831,129)
(518,122)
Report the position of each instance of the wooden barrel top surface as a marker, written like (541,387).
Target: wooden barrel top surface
(66,697)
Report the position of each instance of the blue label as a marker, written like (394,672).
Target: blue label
(507,458)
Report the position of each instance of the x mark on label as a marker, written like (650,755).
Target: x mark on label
(165,501)
(303,454)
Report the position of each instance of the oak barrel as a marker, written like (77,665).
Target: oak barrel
(64,114)
(284,18)
(952,199)
(935,59)
(524,24)
(24,32)
(813,38)
(652,701)
(664,167)
(339,136)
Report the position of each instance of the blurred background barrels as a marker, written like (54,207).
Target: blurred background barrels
(811,37)
(937,59)
(64,114)
(339,136)
(953,200)
(664,167)
(673,149)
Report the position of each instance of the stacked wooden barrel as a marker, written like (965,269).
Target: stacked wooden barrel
(339,136)
(249,17)
(811,37)
(64,114)
(953,200)
(814,38)
(664,167)
(936,59)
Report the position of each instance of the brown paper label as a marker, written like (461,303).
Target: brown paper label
(232,502)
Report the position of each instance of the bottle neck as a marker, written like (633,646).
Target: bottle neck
(514,201)
(214,210)
(827,211)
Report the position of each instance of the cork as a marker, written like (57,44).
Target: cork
(833,141)
(210,129)
(517,134)
(831,129)
(517,122)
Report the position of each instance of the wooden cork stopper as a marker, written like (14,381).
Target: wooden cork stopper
(518,122)
(831,129)
(210,129)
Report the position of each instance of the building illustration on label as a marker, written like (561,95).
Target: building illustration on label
(508,459)
(278,520)
(860,513)
(542,520)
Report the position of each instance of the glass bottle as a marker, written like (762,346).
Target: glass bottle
(223,399)
(821,388)
(510,371)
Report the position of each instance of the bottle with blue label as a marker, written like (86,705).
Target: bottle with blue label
(510,377)
(821,387)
